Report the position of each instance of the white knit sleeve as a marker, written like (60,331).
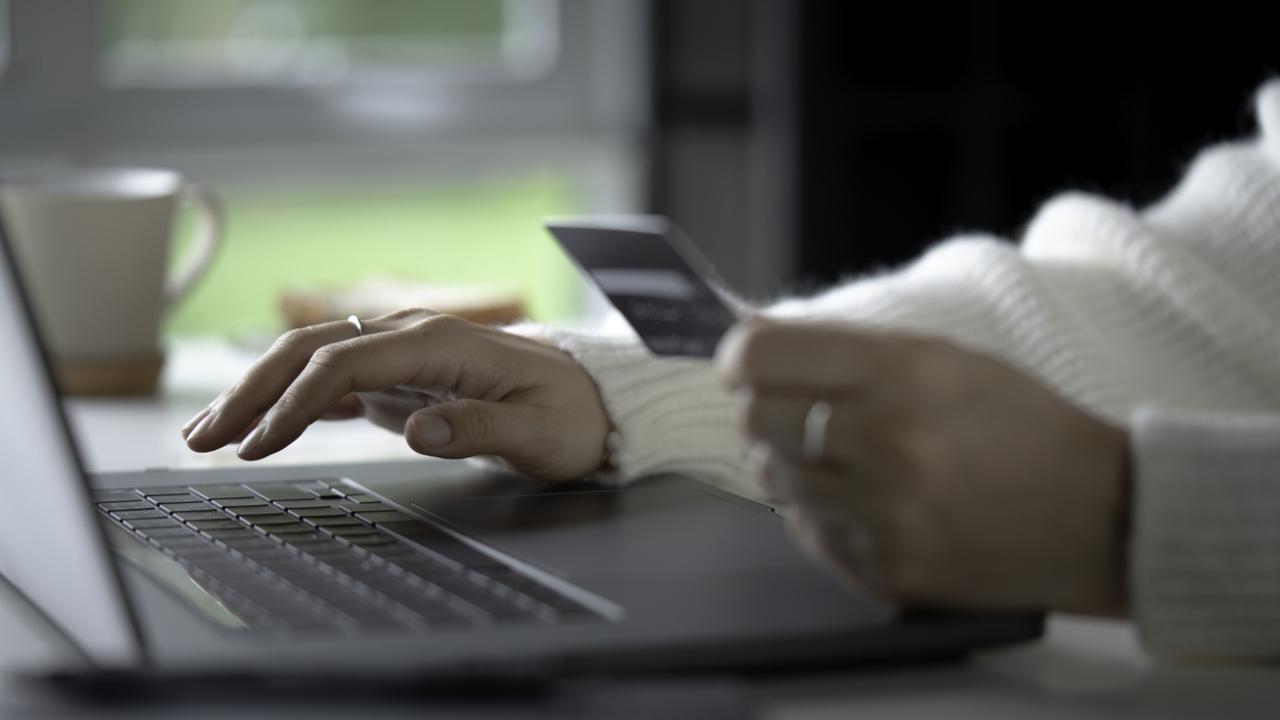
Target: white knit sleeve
(1205,550)
(671,415)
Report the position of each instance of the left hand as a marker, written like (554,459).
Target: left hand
(948,478)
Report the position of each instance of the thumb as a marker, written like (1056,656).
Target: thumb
(462,428)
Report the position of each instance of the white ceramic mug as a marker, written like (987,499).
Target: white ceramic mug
(93,245)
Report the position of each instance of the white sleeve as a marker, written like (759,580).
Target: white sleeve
(1110,306)
(1205,538)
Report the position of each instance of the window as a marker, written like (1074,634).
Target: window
(307,42)
(422,139)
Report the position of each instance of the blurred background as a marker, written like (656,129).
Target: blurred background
(796,141)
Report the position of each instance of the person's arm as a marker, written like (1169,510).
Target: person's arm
(668,414)
(1205,537)
(1109,306)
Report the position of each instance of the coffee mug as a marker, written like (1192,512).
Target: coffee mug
(93,246)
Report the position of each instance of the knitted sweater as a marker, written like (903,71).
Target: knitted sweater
(1150,318)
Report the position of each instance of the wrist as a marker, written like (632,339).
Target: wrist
(1104,588)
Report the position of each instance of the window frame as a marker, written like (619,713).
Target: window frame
(536,21)
(588,111)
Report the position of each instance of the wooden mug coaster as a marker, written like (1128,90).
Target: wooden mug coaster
(109,376)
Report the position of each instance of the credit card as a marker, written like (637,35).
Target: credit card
(651,273)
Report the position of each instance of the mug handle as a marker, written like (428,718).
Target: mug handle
(208,240)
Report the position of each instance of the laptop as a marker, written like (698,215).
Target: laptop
(412,568)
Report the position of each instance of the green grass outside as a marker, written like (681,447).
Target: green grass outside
(480,232)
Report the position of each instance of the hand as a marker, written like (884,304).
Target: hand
(949,478)
(455,389)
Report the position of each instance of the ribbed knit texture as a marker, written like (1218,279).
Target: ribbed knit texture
(1175,307)
(1206,571)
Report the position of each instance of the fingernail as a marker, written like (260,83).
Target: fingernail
(432,430)
(195,420)
(201,427)
(249,443)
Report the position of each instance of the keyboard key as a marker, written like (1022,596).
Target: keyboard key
(138,514)
(177,507)
(145,523)
(340,521)
(159,491)
(230,535)
(297,537)
(236,540)
(253,510)
(239,502)
(126,505)
(281,492)
(277,519)
(317,512)
(172,530)
(295,528)
(299,504)
(345,530)
(364,498)
(201,515)
(173,498)
(224,524)
(437,541)
(221,492)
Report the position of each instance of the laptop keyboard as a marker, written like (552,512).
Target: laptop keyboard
(320,556)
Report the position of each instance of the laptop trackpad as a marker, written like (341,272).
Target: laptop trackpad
(655,545)
(668,526)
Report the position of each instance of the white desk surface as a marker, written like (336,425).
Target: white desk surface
(1082,668)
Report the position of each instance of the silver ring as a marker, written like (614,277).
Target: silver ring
(355,322)
(815,432)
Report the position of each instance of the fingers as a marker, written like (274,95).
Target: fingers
(465,428)
(230,415)
(779,421)
(431,353)
(815,491)
(390,409)
(348,407)
(798,357)
(194,422)
(835,519)
(844,551)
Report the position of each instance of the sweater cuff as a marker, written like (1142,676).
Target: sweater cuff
(671,415)
(1205,552)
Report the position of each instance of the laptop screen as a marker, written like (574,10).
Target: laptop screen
(52,547)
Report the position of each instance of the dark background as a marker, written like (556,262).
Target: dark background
(802,140)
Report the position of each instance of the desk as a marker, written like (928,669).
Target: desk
(1083,667)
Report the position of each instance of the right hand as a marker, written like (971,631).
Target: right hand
(453,388)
